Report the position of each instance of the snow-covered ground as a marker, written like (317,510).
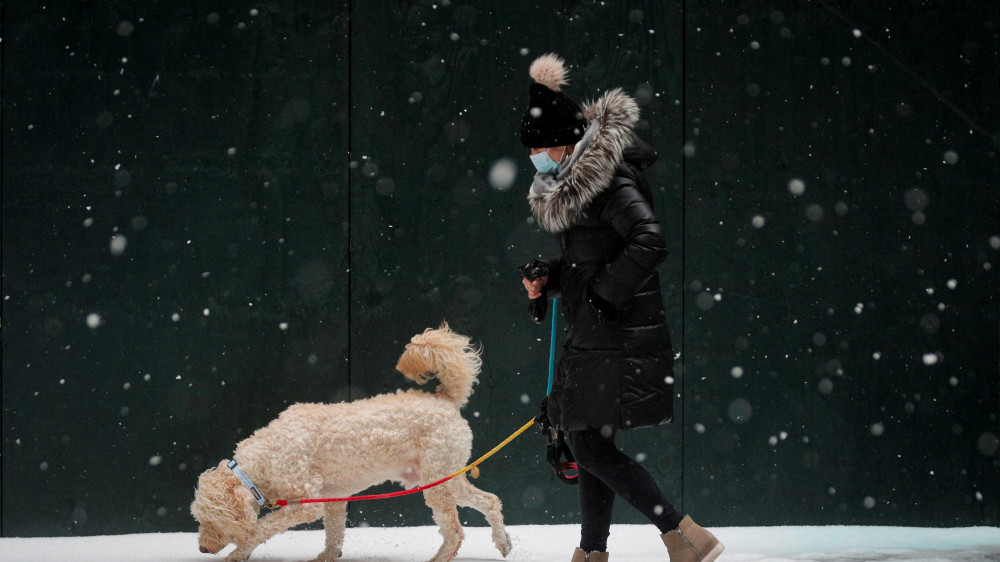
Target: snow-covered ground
(629,543)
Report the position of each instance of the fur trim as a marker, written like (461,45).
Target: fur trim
(549,71)
(616,113)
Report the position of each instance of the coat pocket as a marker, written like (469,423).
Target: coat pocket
(587,389)
(647,392)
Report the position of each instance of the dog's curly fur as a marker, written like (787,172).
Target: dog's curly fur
(337,450)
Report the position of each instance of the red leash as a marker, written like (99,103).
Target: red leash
(283,503)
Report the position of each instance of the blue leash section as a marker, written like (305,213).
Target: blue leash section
(552,343)
(554,440)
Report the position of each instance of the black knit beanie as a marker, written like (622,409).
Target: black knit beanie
(552,119)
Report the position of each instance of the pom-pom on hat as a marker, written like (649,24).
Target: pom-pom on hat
(552,119)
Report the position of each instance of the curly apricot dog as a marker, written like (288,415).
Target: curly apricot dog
(336,450)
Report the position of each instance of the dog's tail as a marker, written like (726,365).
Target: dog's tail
(446,355)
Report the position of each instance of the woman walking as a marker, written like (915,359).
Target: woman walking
(616,370)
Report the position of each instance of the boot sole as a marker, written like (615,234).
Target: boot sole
(714,553)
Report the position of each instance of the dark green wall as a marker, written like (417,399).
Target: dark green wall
(831,306)
(317,179)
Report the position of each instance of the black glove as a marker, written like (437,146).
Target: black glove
(534,269)
(531,271)
(538,307)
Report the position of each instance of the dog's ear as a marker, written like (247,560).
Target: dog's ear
(206,480)
(244,507)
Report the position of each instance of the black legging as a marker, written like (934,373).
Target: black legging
(604,472)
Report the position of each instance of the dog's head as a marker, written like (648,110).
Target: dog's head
(446,355)
(224,508)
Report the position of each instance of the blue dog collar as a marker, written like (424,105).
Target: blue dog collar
(247,482)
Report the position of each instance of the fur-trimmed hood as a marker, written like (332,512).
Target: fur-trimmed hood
(557,202)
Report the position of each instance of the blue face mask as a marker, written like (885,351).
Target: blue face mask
(544,163)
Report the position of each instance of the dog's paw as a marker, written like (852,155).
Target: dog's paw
(504,546)
(328,555)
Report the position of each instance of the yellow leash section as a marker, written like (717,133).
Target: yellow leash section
(282,503)
(495,449)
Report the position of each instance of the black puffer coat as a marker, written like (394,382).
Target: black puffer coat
(617,364)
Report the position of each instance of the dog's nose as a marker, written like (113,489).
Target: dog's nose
(203,549)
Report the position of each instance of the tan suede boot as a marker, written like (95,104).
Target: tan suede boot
(581,556)
(690,542)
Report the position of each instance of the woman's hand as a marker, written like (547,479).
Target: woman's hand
(534,286)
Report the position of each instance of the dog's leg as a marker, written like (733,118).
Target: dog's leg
(334,520)
(489,505)
(272,524)
(442,502)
